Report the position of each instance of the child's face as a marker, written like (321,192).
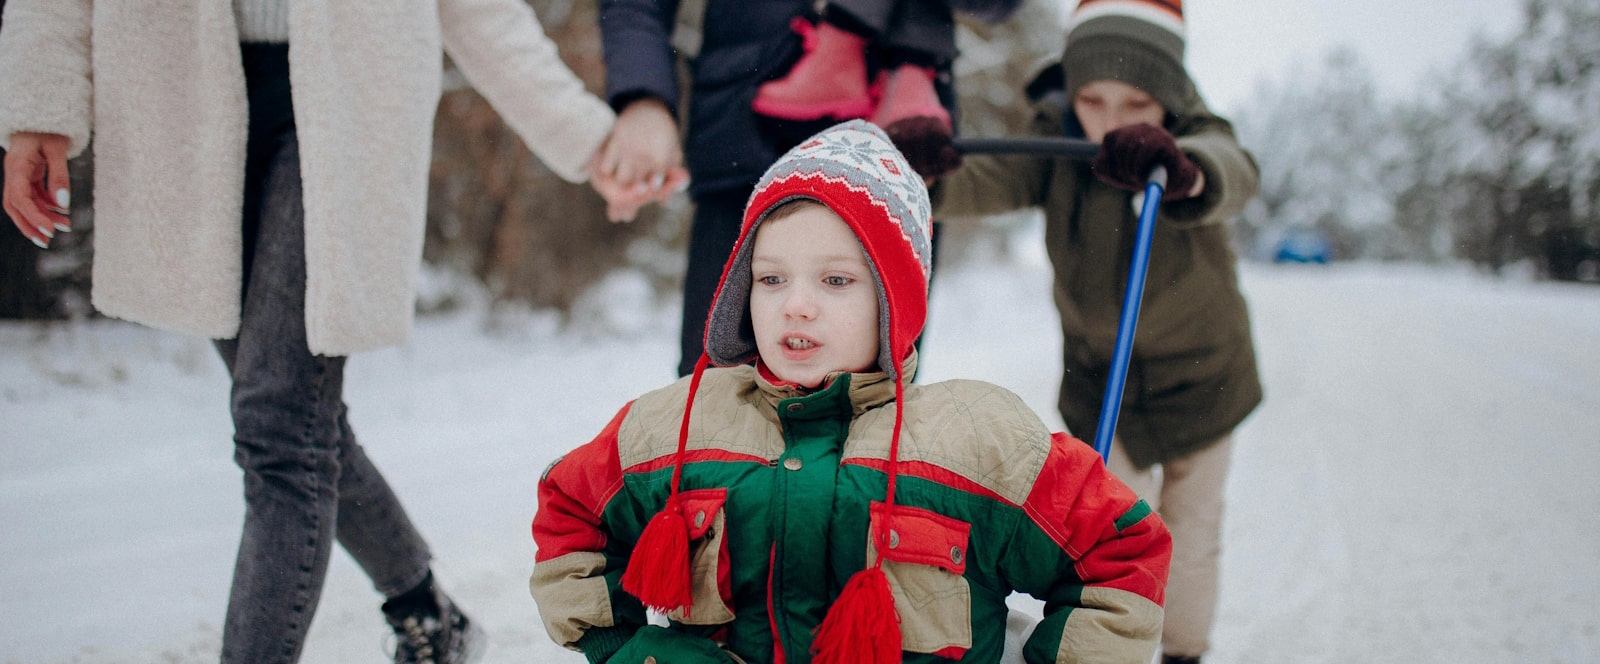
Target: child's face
(813,300)
(1105,105)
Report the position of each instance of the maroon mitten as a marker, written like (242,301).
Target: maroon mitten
(927,144)
(1127,156)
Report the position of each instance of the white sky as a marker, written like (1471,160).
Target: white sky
(1234,43)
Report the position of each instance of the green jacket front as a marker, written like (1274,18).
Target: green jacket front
(780,489)
(1193,374)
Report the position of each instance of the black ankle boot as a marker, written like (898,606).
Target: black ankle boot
(1176,659)
(430,629)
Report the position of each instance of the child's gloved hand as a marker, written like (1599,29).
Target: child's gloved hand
(1127,156)
(927,144)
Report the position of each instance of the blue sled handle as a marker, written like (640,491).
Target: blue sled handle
(1122,352)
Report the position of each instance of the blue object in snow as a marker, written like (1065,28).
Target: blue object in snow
(1304,245)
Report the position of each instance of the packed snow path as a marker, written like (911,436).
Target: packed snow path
(1420,485)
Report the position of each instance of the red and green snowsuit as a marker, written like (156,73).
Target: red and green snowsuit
(779,487)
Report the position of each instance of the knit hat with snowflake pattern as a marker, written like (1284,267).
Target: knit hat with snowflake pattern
(1138,42)
(854,170)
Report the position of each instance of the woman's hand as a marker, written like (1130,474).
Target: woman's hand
(642,161)
(624,200)
(38,192)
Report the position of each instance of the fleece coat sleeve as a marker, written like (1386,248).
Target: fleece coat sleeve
(45,85)
(505,53)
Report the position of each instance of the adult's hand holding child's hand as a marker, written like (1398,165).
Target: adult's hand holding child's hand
(642,161)
(1127,155)
(624,199)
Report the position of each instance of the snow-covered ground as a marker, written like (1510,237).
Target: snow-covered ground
(1420,485)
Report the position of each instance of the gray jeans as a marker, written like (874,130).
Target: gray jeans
(306,479)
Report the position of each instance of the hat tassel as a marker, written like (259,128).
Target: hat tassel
(862,625)
(658,571)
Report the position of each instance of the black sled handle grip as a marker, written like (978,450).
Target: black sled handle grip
(1041,146)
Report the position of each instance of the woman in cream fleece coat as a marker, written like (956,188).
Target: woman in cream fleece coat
(159,84)
(274,200)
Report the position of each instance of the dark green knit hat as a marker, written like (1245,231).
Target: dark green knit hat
(1138,42)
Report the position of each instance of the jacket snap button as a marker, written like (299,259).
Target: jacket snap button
(796,407)
(894,540)
(955,555)
(791,463)
(699,518)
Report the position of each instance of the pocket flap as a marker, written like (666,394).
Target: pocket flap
(923,537)
(710,573)
(700,507)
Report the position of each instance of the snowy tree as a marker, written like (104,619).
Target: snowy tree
(1326,147)
(1525,150)
(1498,163)
(1426,195)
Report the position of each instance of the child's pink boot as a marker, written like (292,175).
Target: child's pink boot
(908,93)
(829,80)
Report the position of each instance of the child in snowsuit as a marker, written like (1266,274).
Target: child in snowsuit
(814,506)
(1192,380)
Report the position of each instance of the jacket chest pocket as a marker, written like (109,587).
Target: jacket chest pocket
(925,561)
(709,572)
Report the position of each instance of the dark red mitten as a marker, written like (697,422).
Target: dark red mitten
(1127,156)
(927,144)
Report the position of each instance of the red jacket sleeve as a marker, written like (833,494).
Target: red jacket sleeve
(578,589)
(1097,555)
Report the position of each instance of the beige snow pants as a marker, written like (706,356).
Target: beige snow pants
(1187,493)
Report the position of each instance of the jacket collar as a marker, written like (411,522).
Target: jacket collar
(862,391)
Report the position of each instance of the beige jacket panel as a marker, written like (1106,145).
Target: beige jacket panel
(977,430)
